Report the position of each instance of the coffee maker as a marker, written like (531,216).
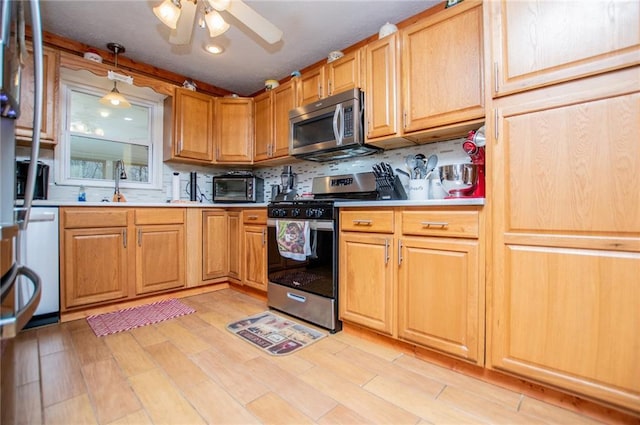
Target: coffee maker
(474,147)
(288,178)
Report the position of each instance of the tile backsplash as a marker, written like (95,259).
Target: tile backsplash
(448,152)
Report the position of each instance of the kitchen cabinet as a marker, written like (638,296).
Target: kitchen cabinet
(414,274)
(254,248)
(160,247)
(271,112)
(566,235)
(50,74)
(215,241)
(189,119)
(536,44)
(325,80)
(116,254)
(382,96)
(442,74)
(95,248)
(234,130)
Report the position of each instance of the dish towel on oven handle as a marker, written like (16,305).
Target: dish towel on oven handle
(293,239)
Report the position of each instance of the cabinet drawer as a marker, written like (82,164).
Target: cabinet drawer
(254,216)
(160,216)
(441,223)
(366,221)
(94,217)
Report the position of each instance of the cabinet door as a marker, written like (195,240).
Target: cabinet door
(193,125)
(215,258)
(311,86)
(160,258)
(95,264)
(566,239)
(233,229)
(439,302)
(537,43)
(343,74)
(382,96)
(366,281)
(255,256)
(24,124)
(283,100)
(234,130)
(443,68)
(263,126)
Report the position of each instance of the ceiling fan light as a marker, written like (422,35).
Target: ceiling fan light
(114,99)
(216,24)
(214,49)
(168,12)
(219,5)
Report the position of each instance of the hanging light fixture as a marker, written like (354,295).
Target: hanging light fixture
(114,99)
(215,23)
(168,12)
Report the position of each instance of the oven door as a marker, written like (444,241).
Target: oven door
(305,288)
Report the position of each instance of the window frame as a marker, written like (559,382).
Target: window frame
(85,82)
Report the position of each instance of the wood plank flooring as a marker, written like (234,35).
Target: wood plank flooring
(191,370)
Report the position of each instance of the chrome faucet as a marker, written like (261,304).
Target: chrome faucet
(120,174)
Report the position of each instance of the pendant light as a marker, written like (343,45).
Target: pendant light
(168,12)
(114,99)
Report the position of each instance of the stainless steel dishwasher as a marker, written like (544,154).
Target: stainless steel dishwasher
(40,252)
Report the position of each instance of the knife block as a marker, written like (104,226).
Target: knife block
(388,192)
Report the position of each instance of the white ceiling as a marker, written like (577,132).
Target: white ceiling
(312,28)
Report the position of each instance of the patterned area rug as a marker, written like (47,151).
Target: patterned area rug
(135,317)
(274,334)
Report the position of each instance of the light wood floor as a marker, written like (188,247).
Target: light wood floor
(191,370)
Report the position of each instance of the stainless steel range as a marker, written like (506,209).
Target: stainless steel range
(303,249)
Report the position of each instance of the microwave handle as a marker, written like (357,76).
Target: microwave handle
(338,124)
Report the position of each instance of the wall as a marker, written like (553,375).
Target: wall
(448,152)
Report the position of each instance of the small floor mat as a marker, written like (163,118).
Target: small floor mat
(135,317)
(274,334)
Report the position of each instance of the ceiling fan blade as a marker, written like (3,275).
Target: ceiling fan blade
(184,29)
(258,24)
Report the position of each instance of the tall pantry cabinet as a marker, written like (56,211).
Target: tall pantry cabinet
(563,134)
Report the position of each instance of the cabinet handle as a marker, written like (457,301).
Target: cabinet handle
(180,146)
(269,150)
(363,222)
(124,238)
(496,81)
(399,253)
(252,217)
(386,251)
(139,237)
(264,236)
(495,125)
(329,88)
(442,224)
(404,120)
(319,91)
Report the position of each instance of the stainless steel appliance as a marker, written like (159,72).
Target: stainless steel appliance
(15,310)
(304,282)
(288,190)
(41,184)
(238,187)
(330,129)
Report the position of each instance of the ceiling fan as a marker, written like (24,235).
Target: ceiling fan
(180,16)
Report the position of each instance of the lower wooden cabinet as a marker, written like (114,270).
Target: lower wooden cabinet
(215,259)
(254,248)
(115,253)
(415,275)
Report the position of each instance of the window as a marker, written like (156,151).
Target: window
(94,137)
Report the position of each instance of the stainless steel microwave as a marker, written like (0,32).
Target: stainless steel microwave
(238,188)
(330,129)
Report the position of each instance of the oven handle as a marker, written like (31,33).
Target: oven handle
(313,224)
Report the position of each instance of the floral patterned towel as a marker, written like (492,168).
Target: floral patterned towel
(293,239)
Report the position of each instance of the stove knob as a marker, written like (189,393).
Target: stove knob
(314,212)
(278,212)
(295,212)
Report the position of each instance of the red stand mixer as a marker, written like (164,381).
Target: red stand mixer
(474,147)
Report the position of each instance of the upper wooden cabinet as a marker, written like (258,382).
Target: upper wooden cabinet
(271,114)
(536,44)
(335,77)
(234,130)
(24,124)
(382,94)
(442,73)
(189,126)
